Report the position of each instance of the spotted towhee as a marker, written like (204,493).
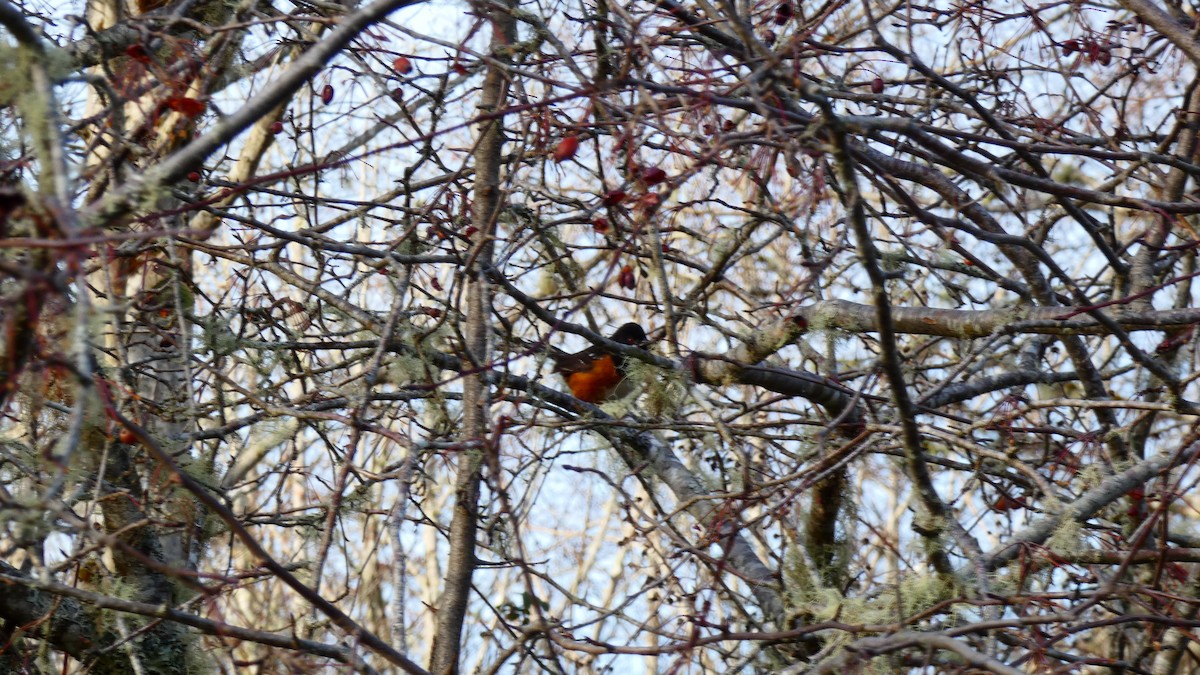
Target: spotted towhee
(595,374)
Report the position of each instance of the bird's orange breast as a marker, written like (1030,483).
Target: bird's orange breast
(596,383)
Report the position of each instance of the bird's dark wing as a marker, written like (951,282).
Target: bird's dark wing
(576,363)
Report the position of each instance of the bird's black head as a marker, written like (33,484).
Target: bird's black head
(631,334)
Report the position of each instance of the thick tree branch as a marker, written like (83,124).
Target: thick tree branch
(61,615)
(970,324)
(1171,27)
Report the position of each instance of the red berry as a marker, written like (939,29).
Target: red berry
(137,53)
(276,127)
(194,176)
(327,94)
(1177,572)
(566,148)
(189,107)
(783,13)
(614,197)
(626,279)
(1005,503)
(600,224)
(650,201)
(877,85)
(652,175)
(402,65)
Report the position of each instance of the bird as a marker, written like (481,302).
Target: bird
(596,374)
